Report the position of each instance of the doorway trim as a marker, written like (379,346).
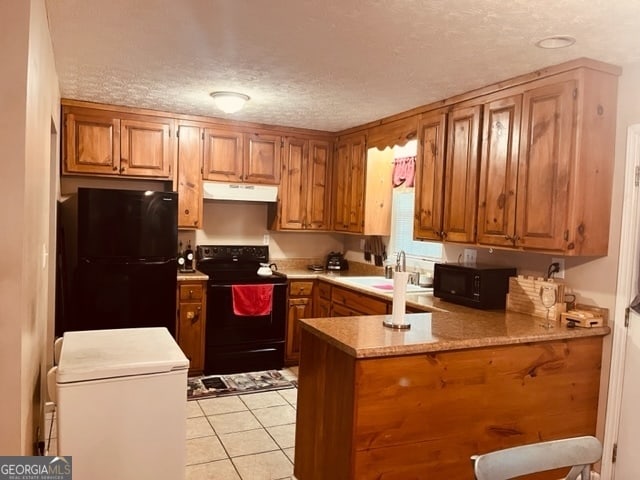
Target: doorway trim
(628,262)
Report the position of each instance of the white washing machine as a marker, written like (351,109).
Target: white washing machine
(121,404)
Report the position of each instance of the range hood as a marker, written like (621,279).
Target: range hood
(239,192)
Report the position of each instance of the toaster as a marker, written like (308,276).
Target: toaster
(336,261)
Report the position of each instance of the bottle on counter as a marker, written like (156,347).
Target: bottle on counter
(188,258)
(180,257)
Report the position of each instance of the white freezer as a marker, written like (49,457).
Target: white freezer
(121,404)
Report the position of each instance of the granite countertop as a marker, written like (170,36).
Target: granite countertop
(421,301)
(185,276)
(443,326)
(366,337)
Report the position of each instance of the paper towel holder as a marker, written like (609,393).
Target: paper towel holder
(396,326)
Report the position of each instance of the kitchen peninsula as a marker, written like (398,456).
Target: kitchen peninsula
(380,403)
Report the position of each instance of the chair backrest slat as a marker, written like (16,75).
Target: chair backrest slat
(579,452)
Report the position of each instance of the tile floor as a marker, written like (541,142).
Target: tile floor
(240,437)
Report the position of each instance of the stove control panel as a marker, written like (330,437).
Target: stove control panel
(234,253)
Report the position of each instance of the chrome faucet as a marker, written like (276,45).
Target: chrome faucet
(401,267)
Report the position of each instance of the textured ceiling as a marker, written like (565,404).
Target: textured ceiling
(329,64)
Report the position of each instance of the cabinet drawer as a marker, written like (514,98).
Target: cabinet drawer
(324,290)
(191,291)
(358,301)
(341,311)
(301,288)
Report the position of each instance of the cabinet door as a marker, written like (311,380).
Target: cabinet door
(293,188)
(499,172)
(544,166)
(146,148)
(191,334)
(461,180)
(322,308)
(92,144)
(298,308)
(358,160)
(318,191)
(349,179)
(341,188)
(262,158)
(222,155)
(189,177)
(430,177)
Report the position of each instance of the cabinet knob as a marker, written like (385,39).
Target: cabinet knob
(186,211)
(115,169)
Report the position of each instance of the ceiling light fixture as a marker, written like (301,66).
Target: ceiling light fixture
(556,41)
(229,102)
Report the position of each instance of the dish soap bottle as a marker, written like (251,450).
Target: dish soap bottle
(180,257)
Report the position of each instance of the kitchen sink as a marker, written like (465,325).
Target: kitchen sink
(383,284)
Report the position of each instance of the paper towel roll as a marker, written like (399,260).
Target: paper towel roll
(398,307)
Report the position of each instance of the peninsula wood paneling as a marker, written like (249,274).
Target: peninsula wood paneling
(327,412)
(423,416)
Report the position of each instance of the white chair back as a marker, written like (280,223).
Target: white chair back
(579,453)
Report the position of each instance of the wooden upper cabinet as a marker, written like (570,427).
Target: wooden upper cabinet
(100,142)
(145,148)
(304,187)
(461,174)
(190,153)
(341,187)
(348,184)
(92,143)
(293,188)
(429,183)
(547,165)
(223,155)
(262,158)
(499,171)
(544,172)
(318,191)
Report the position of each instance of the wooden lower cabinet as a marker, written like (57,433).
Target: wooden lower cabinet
(347,303)
(423,416)
(300,306)
(191,323)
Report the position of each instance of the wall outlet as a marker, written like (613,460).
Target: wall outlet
(470,255)
(560,272)
(265,239)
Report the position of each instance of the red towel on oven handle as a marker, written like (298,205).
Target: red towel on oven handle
(252,300)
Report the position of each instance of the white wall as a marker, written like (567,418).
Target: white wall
(30,105)
(236,223)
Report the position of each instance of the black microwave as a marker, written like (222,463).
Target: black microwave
(477,286)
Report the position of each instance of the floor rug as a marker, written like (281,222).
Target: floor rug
(236,384)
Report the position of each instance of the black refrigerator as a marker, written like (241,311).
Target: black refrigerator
(126,272)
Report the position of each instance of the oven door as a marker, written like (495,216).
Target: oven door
(237,343)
